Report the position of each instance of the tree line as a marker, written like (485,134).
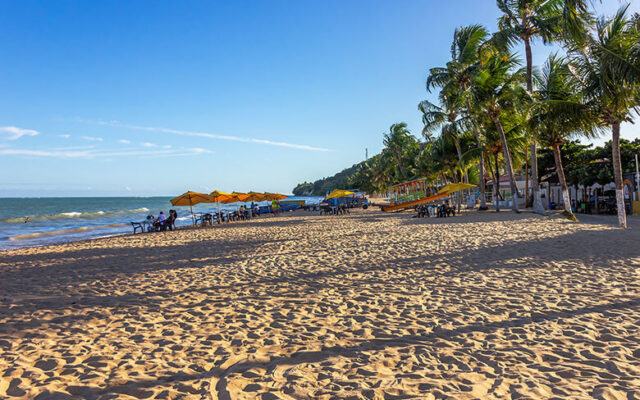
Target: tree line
(494,112)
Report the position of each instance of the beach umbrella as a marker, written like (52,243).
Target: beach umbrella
(455,187)
(217,196)
(274,197)
(339,193)
(255,196)
(190,199)
(235,197)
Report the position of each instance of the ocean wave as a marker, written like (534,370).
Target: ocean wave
(28,236)
(72,214)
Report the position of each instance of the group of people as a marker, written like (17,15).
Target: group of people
(442,211)
(162,222)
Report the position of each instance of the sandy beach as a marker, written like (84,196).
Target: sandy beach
(363,306)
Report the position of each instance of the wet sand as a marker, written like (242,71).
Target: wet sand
(368,305)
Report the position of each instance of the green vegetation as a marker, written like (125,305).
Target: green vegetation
(494,115)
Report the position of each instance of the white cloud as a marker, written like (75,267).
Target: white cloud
(125,141)
(207,135)
(16,133)
(64,136)
(147,144)
(104,154)
(92,138)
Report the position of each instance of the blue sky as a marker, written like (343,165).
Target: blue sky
(154,98)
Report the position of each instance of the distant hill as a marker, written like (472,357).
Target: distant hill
(341,180)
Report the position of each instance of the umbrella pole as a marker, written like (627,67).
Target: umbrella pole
(219,216)
(193,221)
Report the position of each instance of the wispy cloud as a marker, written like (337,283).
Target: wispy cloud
(207,135)
(92,153)
(125,141)
(64,136)
(13,132)
(92,138)
(147,144)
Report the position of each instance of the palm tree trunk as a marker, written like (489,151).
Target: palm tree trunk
(563,181)
(483,199)
(458,194)
(496,182)
(535,186)
(617,174)
(459,151)
(526,178)
(508,165)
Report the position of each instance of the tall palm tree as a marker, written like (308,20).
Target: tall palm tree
(610,82)
(496,91)
(401,146)
(455,77)
(525,20)
(493,149)
(446,118)
(559,113)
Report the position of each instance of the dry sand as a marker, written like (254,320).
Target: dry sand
(368,305)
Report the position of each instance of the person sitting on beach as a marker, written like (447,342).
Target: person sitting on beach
(159,221)
(448,210)
(440,211)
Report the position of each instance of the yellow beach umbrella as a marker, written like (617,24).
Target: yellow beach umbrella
(339,193)
(236,197)
(274,196)
(255,196)
(455,187)
(190,199)
(217,196)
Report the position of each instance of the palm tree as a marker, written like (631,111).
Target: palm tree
(558,114)
(496,90)
(401,146)
(446,118)
(524,20)
(493,149)
(610,82)
(455,77)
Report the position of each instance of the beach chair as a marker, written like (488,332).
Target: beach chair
(197,220)
(136,226)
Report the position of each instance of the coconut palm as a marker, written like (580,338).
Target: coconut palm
(401,147)
(525,20)
(455,77)
(559,114)
(496,90)
(492,149)
(610,82)
(446,118)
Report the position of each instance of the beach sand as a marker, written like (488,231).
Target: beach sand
(367,305)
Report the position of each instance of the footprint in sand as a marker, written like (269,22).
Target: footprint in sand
(46,365)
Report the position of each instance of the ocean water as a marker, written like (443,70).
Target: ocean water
(28,222)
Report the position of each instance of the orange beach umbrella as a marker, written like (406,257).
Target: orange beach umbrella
(190,199)
(217,196)
(255,196)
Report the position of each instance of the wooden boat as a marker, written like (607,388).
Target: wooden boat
(410,194)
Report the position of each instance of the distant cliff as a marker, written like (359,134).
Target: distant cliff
(341,180)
